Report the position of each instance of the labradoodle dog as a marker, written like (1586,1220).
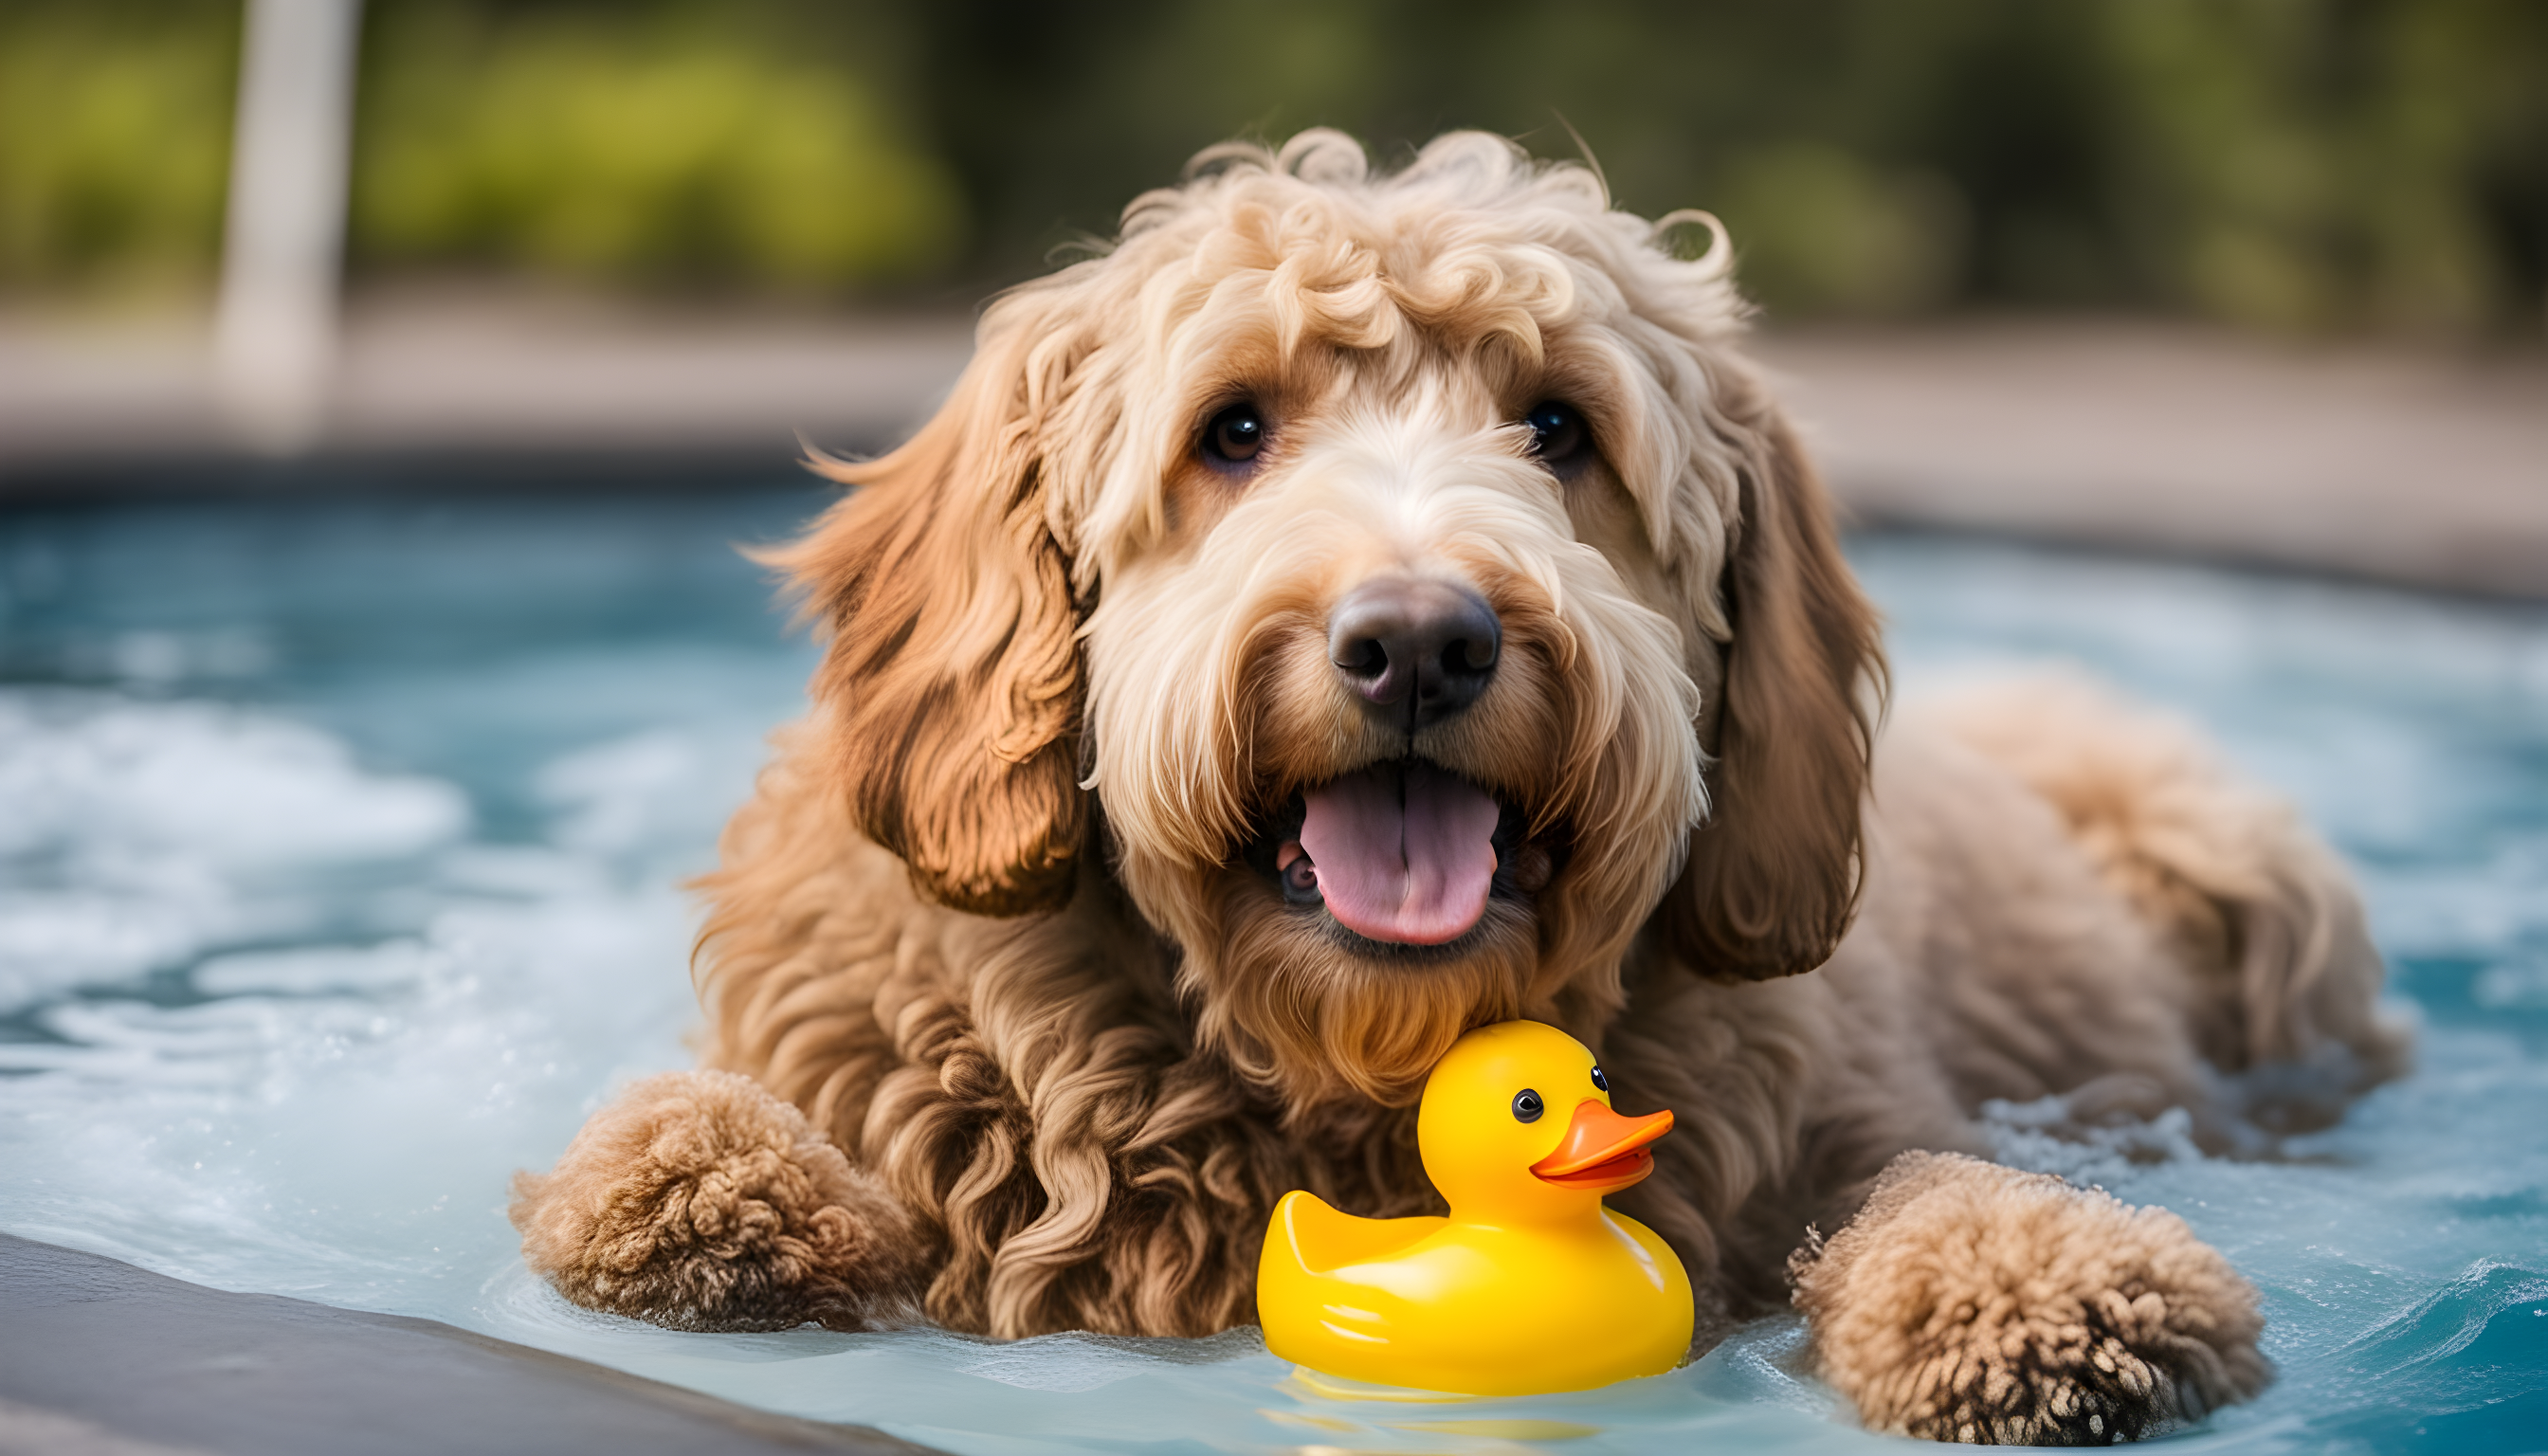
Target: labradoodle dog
(1355,607)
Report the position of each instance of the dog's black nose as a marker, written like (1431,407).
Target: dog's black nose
(1414,652)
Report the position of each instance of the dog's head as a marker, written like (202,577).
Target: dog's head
(1397,582)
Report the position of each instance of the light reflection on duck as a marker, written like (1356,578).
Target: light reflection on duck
(1530,1286)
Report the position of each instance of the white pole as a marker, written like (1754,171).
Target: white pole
(274,340)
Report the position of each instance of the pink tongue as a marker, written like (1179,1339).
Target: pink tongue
(1404,853)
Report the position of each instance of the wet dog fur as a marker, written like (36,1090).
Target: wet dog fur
(1012,1029)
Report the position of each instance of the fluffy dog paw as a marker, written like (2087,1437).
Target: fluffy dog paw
(699,1201)
(1977,1303)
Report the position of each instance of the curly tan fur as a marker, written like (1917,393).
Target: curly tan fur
(2248,895)
(995,921)
(699,1201)
(1977,1304)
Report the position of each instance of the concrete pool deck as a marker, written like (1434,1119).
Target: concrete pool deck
(98,1358)
(2419,467)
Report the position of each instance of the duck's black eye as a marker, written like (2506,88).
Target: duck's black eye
(1557,433)
(1235,435)
(1600,1080)
(1527,1107)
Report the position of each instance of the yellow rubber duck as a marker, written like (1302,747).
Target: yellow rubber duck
(1530,1286)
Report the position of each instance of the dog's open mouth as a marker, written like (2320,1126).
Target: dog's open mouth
(1402,853)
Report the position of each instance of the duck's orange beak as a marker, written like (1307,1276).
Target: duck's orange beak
(1602,1151)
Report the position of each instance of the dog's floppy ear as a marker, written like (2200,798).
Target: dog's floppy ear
(1773,872)
(950,693)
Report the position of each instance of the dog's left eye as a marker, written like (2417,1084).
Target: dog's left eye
(1557,433)
(1235,435)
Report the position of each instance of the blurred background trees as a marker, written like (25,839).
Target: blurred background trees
(2299,165)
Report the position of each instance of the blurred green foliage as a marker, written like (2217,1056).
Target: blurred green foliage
(623,145)
(2302,165)
(2298,164)
(114,142)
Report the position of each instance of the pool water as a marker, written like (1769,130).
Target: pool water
(338,875)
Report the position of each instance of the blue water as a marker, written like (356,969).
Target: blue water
(337,881)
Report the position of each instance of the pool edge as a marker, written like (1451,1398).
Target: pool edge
(121,1359)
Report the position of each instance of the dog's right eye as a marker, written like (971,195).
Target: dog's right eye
(1235,435)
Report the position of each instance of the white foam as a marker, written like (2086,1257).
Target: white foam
(375,970)
(140,832)
(104,780)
